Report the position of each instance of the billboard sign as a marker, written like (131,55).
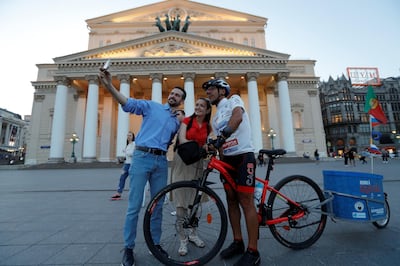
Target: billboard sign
(363,76)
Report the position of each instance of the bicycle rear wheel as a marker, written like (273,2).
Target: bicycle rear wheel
(380,224)
(209,221)
(300,233)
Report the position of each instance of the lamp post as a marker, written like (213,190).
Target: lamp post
(74,139)
(271,134)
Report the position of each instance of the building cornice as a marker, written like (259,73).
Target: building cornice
(170,66)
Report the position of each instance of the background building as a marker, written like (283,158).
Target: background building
(345,122)
(13,135)
(148,58)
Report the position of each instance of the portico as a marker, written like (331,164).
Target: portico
(68,91)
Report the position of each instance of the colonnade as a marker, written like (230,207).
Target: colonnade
(92,103)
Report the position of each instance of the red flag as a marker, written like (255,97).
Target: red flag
(373,107)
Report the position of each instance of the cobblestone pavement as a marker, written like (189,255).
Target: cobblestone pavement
(65,217)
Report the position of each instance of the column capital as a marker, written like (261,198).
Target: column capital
(221,75)
(93,79)
(124,78)
(156,76)
(281,76)
(252,76)
(189,75)
(62,80)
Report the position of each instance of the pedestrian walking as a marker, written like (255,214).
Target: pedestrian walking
(128,152)
(316,155)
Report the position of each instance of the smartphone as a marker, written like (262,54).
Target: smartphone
(106,65)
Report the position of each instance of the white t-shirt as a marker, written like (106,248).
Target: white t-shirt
(129,149)
(240,141)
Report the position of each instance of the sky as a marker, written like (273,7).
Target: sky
(336,33)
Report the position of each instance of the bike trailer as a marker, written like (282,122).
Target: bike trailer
(355,196)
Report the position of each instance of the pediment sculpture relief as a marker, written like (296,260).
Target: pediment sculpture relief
(172,50)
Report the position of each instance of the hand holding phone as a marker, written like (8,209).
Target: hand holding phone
(106,65)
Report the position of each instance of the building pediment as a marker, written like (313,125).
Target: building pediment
(172,44)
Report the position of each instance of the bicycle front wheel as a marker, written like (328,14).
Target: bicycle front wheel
(204,216)
(305,231)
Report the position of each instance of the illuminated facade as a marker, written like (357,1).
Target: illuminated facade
(146,63)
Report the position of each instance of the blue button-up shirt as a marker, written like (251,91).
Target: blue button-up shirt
(159,124)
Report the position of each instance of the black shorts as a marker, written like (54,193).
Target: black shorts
(244,173)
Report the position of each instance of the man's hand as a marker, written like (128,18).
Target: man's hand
(219,142)
(105,78)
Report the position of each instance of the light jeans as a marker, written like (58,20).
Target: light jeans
(154,169)
(123,177)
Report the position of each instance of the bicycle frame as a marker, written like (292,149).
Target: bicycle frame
(223,168)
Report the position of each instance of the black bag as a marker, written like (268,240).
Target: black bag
(189,152)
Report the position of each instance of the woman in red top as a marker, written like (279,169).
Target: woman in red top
(195,127)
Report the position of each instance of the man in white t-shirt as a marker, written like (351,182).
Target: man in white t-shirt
(232,124)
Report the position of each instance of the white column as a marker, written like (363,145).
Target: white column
(318,125)
(79,123)
(189,88)
(90,135)
(106,128)
(59,120)
(156,89)
(254,110)
(287,133)
(273,118)
(123,117)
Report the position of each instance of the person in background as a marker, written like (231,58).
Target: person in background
(316,155)
(364,155)
(128,151)
(149,164)
(180,114)
(231,125)
(352,155)
(385,156)
(193,128)
(346,157)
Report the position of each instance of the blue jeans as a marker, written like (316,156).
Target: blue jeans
(154,169)
(122,178)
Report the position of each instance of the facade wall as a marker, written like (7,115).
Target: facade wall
(195,57)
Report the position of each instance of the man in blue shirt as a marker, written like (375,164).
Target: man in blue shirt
(149,163)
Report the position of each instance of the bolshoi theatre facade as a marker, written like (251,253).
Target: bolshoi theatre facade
(154,48)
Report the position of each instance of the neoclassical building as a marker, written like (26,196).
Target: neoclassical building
(148,58)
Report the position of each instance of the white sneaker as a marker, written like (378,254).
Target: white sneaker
(196,240)
(183,250)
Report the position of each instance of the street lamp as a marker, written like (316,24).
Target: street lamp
(271,134)
(74,139)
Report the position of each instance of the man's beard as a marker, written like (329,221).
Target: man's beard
(173,103)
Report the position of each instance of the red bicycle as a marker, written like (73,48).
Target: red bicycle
(295,212)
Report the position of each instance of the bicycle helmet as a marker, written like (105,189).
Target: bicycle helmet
(219,83)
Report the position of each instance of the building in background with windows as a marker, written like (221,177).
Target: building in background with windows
(13,136)
(346,123)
